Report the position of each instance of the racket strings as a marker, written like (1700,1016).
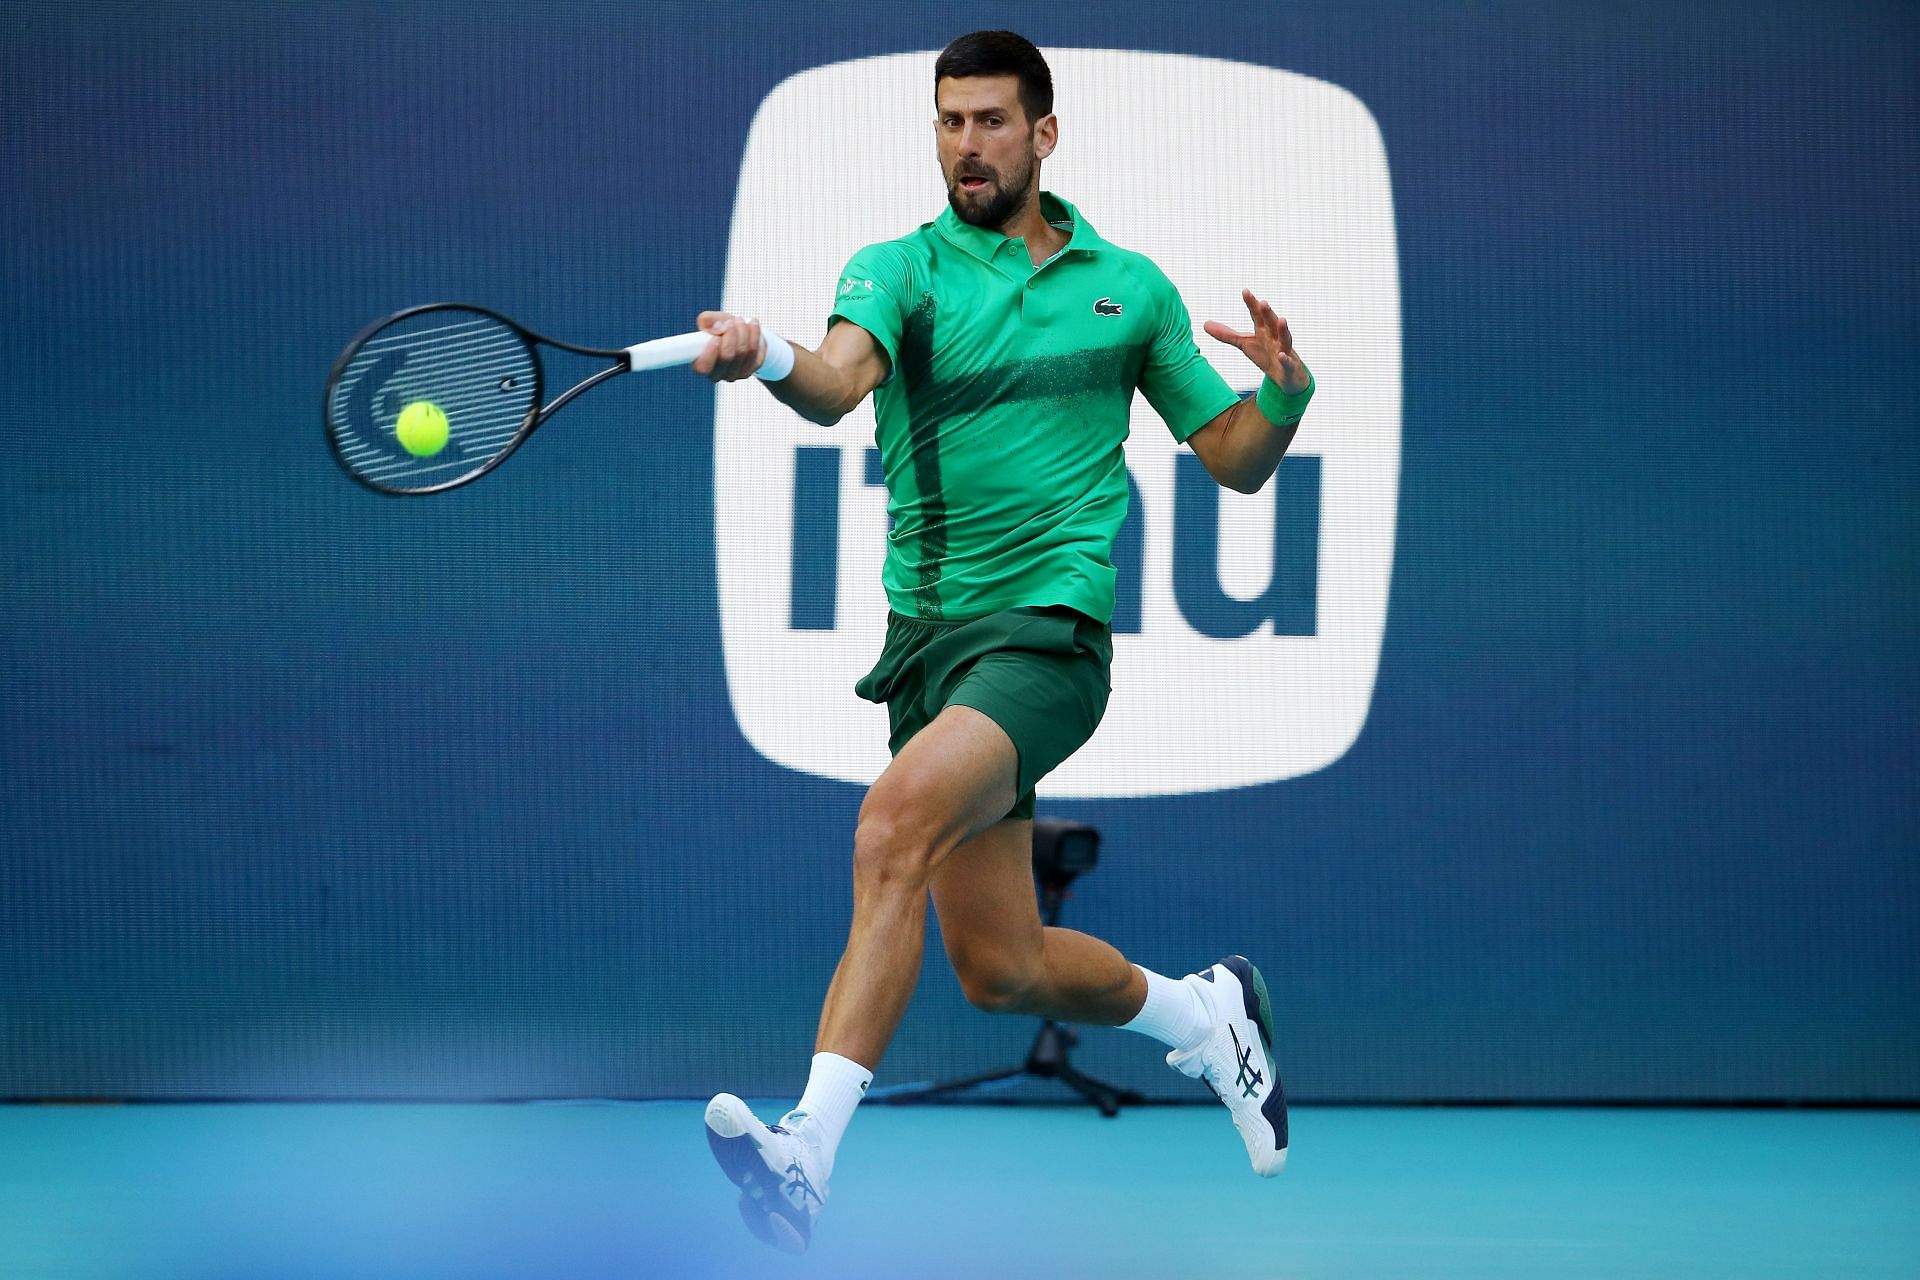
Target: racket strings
(480,373)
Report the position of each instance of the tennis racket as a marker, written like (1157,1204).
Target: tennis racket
(435,397)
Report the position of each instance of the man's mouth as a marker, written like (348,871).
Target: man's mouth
(972,182)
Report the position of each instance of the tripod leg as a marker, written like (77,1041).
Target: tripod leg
(1099,1093)
(1109,1098)
(915,1093)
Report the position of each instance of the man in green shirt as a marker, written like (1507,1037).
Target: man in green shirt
(1002,344)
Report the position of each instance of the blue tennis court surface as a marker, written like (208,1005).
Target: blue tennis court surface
(627,1189)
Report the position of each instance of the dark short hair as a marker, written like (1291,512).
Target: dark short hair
(1000,53)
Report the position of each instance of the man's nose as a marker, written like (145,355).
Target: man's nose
(969,141)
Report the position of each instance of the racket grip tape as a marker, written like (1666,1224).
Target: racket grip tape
(665,353)
(684,348)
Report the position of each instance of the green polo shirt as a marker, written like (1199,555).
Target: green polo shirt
(1003,415)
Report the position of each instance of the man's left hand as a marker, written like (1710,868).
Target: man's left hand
(1270,345)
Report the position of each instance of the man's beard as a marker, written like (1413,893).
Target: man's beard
(997,210)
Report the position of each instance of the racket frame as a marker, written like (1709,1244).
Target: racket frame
(536,415)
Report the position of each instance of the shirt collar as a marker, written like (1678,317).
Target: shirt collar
(984,244)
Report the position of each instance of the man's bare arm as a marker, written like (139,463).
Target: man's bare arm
(824,385)
(1242,447)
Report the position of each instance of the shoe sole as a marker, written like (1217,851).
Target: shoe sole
(762,1207)
(1253,992)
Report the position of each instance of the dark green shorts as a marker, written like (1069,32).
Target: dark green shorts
(1041,674)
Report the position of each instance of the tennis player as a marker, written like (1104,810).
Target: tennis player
(1002,343)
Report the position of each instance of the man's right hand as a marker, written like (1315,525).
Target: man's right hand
(822,386)
(735,351)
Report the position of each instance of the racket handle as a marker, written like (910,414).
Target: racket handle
(684,348)
(665,353)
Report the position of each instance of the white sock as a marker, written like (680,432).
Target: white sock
(834,1089)
(1175,1014)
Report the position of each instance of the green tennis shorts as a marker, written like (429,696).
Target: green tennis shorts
(1039,673)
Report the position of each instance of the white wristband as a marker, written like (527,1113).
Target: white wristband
(778,362)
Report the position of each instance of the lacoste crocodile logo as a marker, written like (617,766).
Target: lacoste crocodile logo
(1106,307)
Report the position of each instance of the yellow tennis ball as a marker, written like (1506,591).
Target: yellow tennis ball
(422,429)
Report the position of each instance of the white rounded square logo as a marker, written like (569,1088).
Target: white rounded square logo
(1247,635)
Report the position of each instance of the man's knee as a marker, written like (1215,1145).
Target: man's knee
(994,981)
(893,845)
(909,821)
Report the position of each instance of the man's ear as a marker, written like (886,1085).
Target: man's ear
(1046,136)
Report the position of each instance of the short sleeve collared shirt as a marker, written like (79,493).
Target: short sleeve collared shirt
(1003,416)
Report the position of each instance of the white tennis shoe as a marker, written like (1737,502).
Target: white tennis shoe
(1236,1060)
(781,1175)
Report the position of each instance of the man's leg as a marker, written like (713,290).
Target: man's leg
(1218,1024)
(1006,960)
(954,780)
